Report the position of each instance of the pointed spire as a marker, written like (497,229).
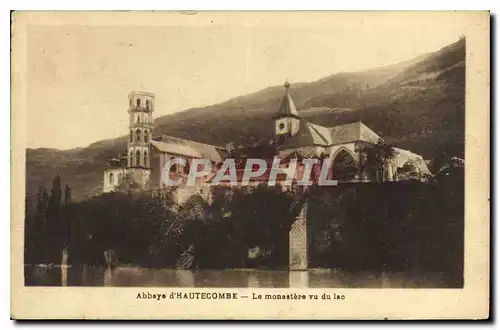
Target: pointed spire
(287,107)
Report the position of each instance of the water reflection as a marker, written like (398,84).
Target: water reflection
(144,277)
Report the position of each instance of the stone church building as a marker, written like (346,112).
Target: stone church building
(343,146)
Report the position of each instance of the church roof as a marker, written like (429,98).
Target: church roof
(303,152)
(308,135)
(287,107)
(402,156)
(352,132)
(177,149)
(322,133)
(190,148)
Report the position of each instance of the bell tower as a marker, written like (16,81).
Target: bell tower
(141,107)
(287,120)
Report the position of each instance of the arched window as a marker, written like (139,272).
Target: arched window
(131,158)
(408,172)
(138,103)
(145,162)
(344,167)
(130,103)
(111,178)
(146,136)
(138,119)
(173,168)
(131,136)
(147,104)
(138,158)
(138,135)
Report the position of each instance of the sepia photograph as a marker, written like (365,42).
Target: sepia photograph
(226,151)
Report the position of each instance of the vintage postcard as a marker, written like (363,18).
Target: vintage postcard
(250,165)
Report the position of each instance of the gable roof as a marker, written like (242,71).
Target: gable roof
(189,148)
(308,135)
(352,132)
(322,133)
(402,156)
(301,153)
(177,149)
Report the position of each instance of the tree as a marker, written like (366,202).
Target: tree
(328,224)
(42,200)
(452,171)
(376,159)
(44,230)
(67,195)
(133,227)
(36,228)
(128,184)
(54,237)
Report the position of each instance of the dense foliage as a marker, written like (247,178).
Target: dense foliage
(248,219)
(45,232)
(151,231)
(391,226)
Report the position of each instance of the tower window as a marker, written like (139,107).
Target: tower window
(131,136)
(138,135)
(281,126)
(145,158)
(146,136)
(138,158)
(147,104)
(138,119)
(111,178)
(138,103)
(131,158)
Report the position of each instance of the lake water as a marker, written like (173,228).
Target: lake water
(145,277)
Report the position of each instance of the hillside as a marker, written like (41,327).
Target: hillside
(418,104)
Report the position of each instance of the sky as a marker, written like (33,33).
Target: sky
(79,75)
